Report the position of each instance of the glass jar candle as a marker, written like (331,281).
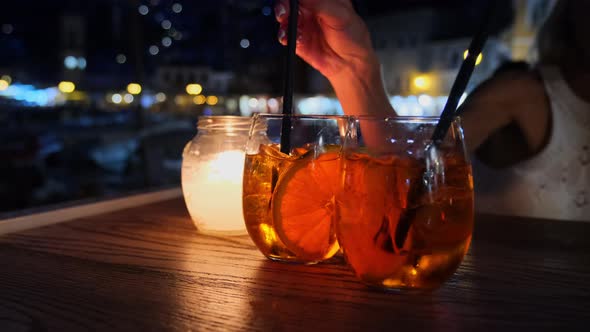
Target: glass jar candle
(212,170)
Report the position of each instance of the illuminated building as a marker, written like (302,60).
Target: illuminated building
(417,60)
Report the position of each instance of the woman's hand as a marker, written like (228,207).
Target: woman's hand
(333,39)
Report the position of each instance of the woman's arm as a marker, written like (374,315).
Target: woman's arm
(515,99)
(333,39)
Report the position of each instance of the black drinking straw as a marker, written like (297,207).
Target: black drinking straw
(417,188)
(288,92)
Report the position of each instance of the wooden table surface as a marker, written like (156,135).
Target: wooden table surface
(147,269)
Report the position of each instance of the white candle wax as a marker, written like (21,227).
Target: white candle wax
(213,192)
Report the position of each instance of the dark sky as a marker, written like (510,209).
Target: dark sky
(211,29)
(36,37)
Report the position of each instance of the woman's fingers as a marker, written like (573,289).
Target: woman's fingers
(282,11)
(282,34)
(334,13)
(284,28)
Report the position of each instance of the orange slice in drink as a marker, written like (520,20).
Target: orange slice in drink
(303,206)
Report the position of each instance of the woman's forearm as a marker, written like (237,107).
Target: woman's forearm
(361,91)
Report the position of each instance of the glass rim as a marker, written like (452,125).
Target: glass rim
(222,117)
(301,116)
(401,118)
(230,123)
(429,119)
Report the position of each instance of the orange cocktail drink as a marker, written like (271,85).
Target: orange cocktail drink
(404,213)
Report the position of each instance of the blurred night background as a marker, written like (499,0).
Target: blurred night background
(99,97)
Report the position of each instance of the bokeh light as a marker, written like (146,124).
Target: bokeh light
(7,28)
(66,86)
(154,50)
(70,62)
(128,98)
(200,99)
(421,82)
(116,98)
(82,62)
(121,58)
(194,89)
(6,78)
(143,10)
(134,88)
(212,100)
(166,24)
(161,97)
(177,8)
(3,85)
(166,41)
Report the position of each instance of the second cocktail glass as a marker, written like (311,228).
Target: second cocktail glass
(405,208)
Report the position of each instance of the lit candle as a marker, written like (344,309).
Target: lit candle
(213,192)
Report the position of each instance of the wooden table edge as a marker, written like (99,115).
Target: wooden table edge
(35,220)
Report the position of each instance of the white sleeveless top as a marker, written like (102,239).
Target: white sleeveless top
(555,184)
